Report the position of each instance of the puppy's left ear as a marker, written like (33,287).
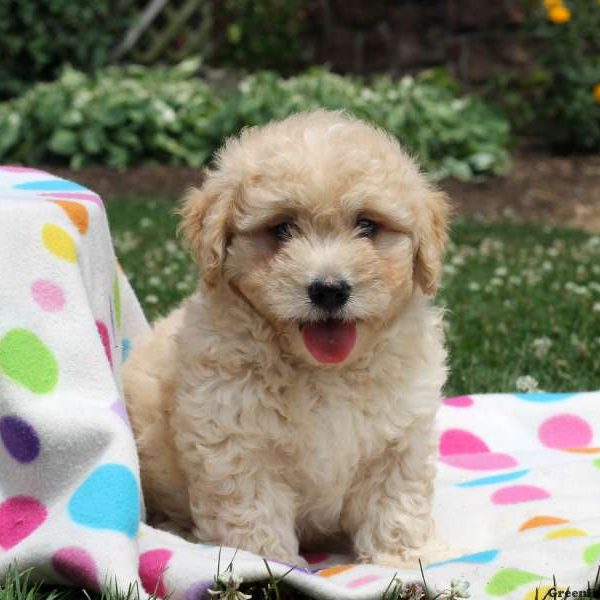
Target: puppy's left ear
(432,240)
(205,214)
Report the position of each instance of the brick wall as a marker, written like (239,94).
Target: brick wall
(475,38)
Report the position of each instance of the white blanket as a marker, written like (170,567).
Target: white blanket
(518,491)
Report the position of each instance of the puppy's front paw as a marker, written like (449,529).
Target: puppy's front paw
(408,558)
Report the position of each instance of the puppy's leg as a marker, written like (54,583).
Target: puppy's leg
(389,510)
(237,499)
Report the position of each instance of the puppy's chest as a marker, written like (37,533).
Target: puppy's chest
(331,431)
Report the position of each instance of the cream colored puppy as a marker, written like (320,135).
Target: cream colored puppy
(292,397)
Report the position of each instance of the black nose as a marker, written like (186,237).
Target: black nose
(329,294)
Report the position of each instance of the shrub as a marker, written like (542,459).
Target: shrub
(567,104)
(119,117)
(122,117)
(37,38)
(450,134)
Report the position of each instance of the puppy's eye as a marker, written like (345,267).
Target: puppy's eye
(283,231)
(366,228)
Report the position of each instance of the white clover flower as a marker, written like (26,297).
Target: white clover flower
(596,307)
(449,269)
(527,383)
(474,286)
(459,589)
(541,346)
(151,299)
(228,588)
(496,281)
(146,222)
(501,272)
(171,246)
(154,281)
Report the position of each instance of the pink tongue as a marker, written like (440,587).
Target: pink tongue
(329,341)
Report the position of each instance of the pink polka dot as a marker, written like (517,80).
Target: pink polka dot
(484,461)
(89,196)
(459,401)
(151,568)
(104,336)
(48,295)
(360,581)
(17,169)
(514,494)
(459,441)
(76,566)
(562,432)
(20,516)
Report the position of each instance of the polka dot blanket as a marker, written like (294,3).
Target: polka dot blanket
(517,494)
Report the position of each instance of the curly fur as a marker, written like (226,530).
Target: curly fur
(244,438)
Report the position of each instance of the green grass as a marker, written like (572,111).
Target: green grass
(523,300)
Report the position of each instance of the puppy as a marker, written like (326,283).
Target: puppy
(292,397)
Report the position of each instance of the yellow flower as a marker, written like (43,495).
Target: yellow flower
(550,4)
(597,93)
(559,15)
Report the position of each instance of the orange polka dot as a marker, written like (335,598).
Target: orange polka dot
(583,450)
(541,521)
(77,213)
(331,571)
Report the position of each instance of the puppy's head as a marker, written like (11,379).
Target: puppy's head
(324,225)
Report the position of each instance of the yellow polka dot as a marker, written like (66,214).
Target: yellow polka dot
(566,532)
(543,592)
(59,242)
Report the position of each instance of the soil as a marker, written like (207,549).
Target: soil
(555,190)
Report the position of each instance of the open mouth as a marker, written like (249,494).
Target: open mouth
(329,341)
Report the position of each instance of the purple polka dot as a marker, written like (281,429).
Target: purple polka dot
(198,590)
(118,407)
(20,439)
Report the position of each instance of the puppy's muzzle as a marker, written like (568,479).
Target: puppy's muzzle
(329,294)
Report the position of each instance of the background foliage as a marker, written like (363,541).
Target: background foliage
(38,38)
(262,34)
(567,109)
(125,116)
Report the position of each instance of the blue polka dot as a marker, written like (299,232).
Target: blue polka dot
(493,479)
(126,343)
(108,499)
(544,397)
(479,558)
(51,185)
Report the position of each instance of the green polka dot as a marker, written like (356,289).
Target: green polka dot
(506,580)
(27,361)
(596,462)
(117,297)
(591,554)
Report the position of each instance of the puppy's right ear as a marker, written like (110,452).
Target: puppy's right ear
(204,223)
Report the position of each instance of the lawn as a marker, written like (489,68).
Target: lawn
(522,300)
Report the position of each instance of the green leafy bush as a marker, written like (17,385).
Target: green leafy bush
(118,117)
(37,38)
(122,117)
(567,102)
(450,134)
